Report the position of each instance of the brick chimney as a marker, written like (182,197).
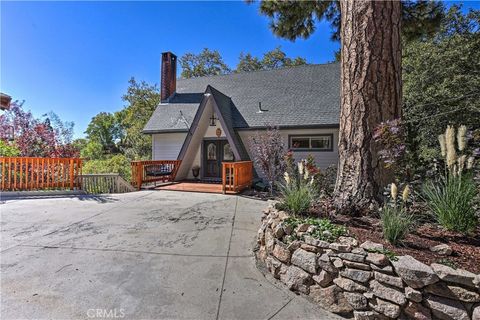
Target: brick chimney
(168,75)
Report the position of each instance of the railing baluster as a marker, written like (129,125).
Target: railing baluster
(33,173)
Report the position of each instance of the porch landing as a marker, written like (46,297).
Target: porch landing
(190,186)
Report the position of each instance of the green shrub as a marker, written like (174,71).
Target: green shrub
(114,164)
(8,150)
(396,224)
(451,200)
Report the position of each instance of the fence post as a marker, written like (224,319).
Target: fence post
(139,175)
(224,178)
(71,174)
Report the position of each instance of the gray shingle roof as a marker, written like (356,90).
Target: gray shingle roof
(297,96)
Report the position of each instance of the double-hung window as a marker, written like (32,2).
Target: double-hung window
(320,142)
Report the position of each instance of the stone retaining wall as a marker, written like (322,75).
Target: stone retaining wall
(352,279)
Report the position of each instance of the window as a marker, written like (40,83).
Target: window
(212,151)
(227,153)
(322,142)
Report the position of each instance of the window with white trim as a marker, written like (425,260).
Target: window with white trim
(323,142)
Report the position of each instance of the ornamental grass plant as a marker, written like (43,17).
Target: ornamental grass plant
(451,200)
(451,197)
(396,221)
(298,190)
(396,224)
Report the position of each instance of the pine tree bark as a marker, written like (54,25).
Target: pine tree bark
(371,92)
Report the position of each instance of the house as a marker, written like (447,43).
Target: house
(205,121)
(5,100)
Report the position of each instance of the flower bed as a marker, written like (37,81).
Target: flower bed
(365,280)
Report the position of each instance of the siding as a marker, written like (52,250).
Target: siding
(323,159)
(166,146)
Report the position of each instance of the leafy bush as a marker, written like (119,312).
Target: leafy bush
(114,164)
(323,179)
(451,200)
(396,224)
(8,150)
(323,229)
(268,153)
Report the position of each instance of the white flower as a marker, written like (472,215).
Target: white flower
(305,176)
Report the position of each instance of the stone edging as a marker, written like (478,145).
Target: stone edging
(347,278)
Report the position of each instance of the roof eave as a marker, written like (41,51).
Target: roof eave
(164,131)
(309,126)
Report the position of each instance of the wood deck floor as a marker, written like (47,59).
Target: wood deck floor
(194,187)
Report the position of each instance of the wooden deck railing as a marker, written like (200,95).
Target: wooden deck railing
(153,171)
(237,176)
(105,183)
(27,173)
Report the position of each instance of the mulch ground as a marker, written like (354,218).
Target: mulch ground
(466,249)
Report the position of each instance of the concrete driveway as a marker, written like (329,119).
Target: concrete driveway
(141,255)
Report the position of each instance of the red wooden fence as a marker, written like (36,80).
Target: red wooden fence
(27,173)
(153,170)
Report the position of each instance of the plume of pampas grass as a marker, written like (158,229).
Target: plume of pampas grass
(394,191)
(462,137)
(406,193)
(441,141)
(470,162)
(450,146)
(286,176)
(461,163)
(300,168)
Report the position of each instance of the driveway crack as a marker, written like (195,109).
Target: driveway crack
(226,260)
(278,311)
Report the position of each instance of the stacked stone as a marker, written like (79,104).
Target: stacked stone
(347,278)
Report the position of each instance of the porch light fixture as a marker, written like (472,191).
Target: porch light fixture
(213,120)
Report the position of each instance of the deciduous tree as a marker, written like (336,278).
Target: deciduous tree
(268,151)
(206,63)
(104,130)
(441,81)
(141,100)
(47,137)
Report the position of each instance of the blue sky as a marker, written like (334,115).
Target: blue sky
(75,58)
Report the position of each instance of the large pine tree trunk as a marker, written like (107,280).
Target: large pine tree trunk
(371,93)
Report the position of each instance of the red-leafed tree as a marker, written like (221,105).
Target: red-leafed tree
(47,137)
